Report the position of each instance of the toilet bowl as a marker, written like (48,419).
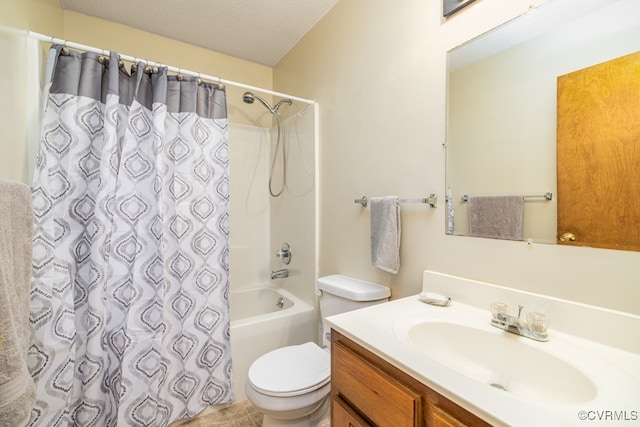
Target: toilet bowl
(291,385)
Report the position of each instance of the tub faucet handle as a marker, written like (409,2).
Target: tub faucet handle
(284,253)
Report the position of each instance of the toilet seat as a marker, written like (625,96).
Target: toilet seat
(291,371)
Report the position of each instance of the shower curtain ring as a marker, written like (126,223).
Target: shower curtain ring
(64,51)
(180,77)
(199,79)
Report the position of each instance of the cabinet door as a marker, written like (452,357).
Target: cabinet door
(371,391)
(342,415)
(441,418)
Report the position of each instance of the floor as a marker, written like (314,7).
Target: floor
(241,414)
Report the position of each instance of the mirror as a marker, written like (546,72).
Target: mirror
(502,103)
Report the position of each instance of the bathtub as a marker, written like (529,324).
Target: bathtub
(263,319)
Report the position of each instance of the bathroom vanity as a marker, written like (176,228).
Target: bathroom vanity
(407,363)
(367,390)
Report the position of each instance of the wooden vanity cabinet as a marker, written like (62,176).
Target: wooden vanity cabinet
(368,391)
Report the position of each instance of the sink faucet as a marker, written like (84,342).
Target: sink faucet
(278,274)
(536,329)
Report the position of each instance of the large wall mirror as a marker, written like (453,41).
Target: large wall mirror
(503,114)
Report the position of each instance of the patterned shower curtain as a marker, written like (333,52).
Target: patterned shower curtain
(129,301)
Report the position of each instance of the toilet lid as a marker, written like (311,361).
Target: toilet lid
(291,371)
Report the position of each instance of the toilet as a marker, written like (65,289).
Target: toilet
(291,385)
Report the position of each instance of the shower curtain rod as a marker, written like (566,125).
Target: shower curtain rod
(134,59)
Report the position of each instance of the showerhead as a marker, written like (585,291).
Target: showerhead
(250,97)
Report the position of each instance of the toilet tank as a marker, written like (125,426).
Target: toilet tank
(339,294)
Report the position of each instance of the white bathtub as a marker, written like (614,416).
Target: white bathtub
(259,325)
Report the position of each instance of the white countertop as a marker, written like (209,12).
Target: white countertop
(614,372)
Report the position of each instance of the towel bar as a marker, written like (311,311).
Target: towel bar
(546,196)
(432,200)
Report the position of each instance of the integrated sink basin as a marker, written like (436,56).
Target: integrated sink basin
(500,359)
(589,366)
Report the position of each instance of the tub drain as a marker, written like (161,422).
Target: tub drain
(498,386)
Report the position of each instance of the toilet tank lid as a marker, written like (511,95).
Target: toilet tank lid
(352,288)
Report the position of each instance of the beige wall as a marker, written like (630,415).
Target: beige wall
(377,68)
(37,15)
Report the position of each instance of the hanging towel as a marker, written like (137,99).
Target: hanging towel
(451,218)
(496,217)
(17,391)
(385,233)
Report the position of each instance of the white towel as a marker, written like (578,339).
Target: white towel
(496,217)
(385,233)
(17,392)
(451,218)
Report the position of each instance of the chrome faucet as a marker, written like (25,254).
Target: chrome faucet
(278,274)
(536,329)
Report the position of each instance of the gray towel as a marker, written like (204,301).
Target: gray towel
(17,391)
(496,217)
(385,233)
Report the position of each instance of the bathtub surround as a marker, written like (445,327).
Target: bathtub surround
(131,244)
(17,391)
(260,223)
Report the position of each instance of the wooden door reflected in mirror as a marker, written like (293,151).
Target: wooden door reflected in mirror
(598,155)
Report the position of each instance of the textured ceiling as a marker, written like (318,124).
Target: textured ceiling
(260,31)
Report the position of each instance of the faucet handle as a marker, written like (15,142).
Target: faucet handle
(284,253)
(502,317)
(497,309)
(538,322)
(520,307)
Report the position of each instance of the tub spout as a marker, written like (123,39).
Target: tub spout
(278,274)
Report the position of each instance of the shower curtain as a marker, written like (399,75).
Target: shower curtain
(129,300)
